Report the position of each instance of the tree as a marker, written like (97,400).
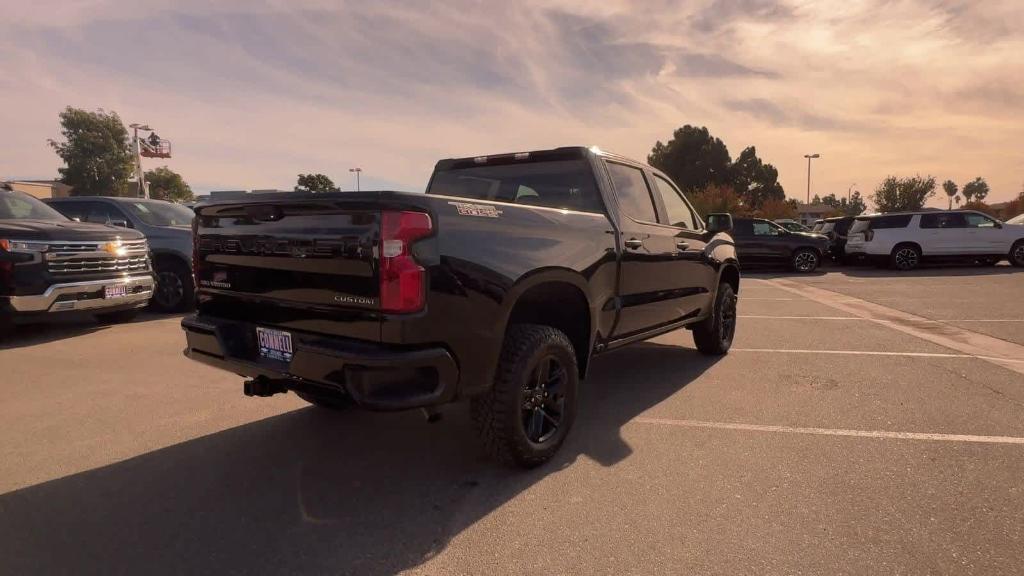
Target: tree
(315,183)
(843,207)
(693,159)
(95,152)
(951,189)
(976,190)
(714,198)
(166,184)
(902,194)
(775,209)
(755,181)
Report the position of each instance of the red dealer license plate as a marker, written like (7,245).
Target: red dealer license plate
(274,344)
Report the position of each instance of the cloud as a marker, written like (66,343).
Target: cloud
(254,93)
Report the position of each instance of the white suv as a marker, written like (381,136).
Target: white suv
(903,240)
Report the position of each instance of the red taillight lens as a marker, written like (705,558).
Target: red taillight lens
(402,280)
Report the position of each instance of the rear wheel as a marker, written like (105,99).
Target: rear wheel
(1017,254)
(805,260)
(329,401)
(905,257)
(713,335)
(120,317)
(175,290)
(527,414)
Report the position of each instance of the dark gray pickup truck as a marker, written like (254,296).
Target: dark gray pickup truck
(498,286)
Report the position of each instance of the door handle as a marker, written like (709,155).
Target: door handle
(634,243)
(683,245)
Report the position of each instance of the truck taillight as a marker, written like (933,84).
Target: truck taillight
(402,280)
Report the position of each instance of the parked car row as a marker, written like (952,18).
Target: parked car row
(105,257)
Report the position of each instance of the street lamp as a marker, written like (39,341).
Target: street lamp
(143,192)
(809,157)
(357,171)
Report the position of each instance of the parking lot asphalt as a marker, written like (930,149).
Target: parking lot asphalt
(864,422)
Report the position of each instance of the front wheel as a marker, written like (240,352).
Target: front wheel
(713,335)
(175,289)
(1017,254)
(527,414)
(805,260)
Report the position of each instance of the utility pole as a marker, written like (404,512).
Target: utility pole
(848,192)
(809,157)
(143,191)
(357,172)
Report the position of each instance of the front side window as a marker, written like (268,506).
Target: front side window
(632,191)
(679,212)
(979,221)
(765,228)
(102,213)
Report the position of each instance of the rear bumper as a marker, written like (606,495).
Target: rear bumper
(377,377)
(86,296)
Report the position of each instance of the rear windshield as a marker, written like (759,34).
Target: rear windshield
(21,206)
(567,184)
(159,213)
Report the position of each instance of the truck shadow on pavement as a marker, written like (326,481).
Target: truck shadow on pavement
(312,491)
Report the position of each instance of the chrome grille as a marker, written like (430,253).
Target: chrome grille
(93,257)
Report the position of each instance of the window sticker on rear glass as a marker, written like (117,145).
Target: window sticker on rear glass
(485,210)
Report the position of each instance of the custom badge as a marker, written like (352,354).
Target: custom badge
(484,210)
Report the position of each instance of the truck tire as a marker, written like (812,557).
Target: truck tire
(328,401)
(905,257)
(119,317)
(713,335)
(527,414)
(1016,256)
(175,290)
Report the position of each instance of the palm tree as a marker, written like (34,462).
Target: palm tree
(951,189)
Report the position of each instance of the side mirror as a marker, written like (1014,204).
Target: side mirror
(719,223)
(119,223)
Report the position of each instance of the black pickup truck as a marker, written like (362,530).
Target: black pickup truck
(498,285)
(53,266)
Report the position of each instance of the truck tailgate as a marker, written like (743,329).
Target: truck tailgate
(281,260)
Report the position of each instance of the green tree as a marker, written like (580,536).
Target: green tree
(95,152)
(976,190)
(950,188)
(755,181)
(714,198)
(693,159)
(315,183)
(849,207)
(901,194)
(166,184)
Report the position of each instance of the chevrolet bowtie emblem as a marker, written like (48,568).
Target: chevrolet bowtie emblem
(115,248)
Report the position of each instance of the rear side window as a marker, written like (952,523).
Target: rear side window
(943,220)
(632,191)
(567,184)
(886,222)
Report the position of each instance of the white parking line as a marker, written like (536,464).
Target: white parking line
(853,352)
(745,298)
(1007,354)
(833,431)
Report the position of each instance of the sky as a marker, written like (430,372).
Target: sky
(252,94)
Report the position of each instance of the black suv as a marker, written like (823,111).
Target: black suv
(763,242)
(836,229)
(52,265)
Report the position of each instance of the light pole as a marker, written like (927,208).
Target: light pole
(357,171)
(848,192)
(143,191)
(809,157)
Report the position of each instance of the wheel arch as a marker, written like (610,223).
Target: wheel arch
(558,298)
